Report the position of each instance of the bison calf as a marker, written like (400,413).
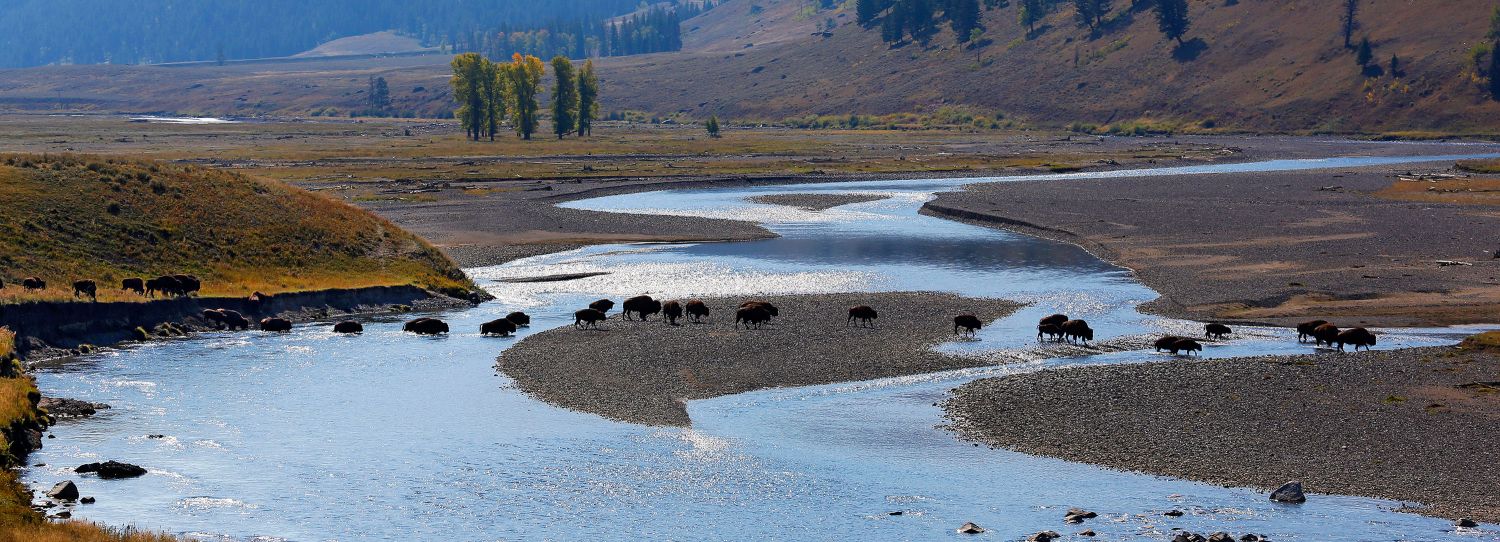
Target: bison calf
(696,310)
(1052,331)
(588,317)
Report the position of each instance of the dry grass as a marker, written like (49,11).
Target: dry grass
(78,217)
(1469,191)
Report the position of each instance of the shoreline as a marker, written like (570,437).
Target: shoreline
(1409,425)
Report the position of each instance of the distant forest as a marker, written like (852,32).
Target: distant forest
(41,32)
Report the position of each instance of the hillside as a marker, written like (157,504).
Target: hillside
(367,44)
(1268,65)
(70,218)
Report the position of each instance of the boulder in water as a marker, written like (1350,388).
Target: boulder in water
(1221,536)
(64,491)
(1465,522)
(1289,492)
(112,469)
(970,528)
(1077,515)
(1044,536)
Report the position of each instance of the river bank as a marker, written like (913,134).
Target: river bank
(1413,425)
(1276,247)
(642,372)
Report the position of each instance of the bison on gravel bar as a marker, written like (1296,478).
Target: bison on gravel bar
(1186,345)
(770,309)
(602,305)
(499,326)
(1326,333)
(348,326)
(275,324)
(134,284)
(33,283)
(1356,336)
(968,322)
(588,317)
(1077,329)
(1305,329)
(752,316)
(1216,331)
(863,314)
(672,310)
(520,319)
(86,287)
(642,305)
(696,310)
(426,326)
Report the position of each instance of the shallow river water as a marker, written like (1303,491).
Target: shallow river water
(387,436)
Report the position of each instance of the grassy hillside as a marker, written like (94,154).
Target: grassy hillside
(78,217)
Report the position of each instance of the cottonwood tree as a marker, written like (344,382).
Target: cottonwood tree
(588,98)
(468,90)
(1172,18)
(564,97)
(493,85)
(524,83)
(1348,21)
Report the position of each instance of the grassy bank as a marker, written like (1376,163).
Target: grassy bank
(83,217)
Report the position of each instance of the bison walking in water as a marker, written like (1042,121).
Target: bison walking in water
(589,317)
(968,322)
(696,310)
(602,305)
(863,314)
(1305,329)
(426,326)
(520,319)
(1052,331)
(348,326)
(134,284)
(234,320)
(86,287)
(1326,333)
(752,316)
(1056,320)
(275,324)
(33,283)
(1216,331)
(672,310)
(1165,343)
(1185,345)
(214,317)
(1356,336)
(1077,329)
(500,326)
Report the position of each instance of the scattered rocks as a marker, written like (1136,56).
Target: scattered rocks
(1172,513)
(1044,536)
(1189,537)
(1289,492)
(156,436)
(1251,538)
(1089,532)
(63,515)
(64,491)
(1077,515)
(112,470)
(1465,522)
(970,528)
(69,408)
(1221,536)
(895,513)
(86,500)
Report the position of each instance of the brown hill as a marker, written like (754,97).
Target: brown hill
(1263,65)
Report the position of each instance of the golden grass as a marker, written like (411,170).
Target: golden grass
(1463,191)
(1483,341)
(78,217)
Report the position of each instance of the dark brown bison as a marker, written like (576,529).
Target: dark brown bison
(672,310)
(602,305)
(348,326)
(588,317)
(1186,345)
(1326,333)
(499,326)
(1056,320)
(1216,331)
(86,287)
(863,314)
(696,310)
(968,322)
(520,319)
(1077,329)
(426,326)
(1305,329)
(1165,343)
(134,284)
(167,285)
(33,283)
(642,305)
(275,324)
(753,316)
(1356,336)
(214,317)
(234,320)
(188,284)
(1052,331)
(770,309)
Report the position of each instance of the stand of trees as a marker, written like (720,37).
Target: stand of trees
(488,93)
(900,19)
(654,30)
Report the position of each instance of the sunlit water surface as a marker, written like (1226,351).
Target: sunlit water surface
(313,436)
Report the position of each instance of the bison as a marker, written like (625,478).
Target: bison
(214,317)
(187,284)
(1165,343)
(275,324)
(770,309)
(498,326)
(1077,329)
(167,285)
(33,283)
(1356,336)
(1305,329)
(590,317)
(1216,331)
(86,287)
(1185,345)
(696,310)
(602,305)
(863,314)
(1053,331)
(752,316)
(968,322)
(1056,320)
(642,305)
(348,326)
(672,310)
(520,319)
(426,326)
(134,284)
(1326,333)
(234,320)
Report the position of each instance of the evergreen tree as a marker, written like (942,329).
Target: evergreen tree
(1365,52)
(712,126)
(564,97)
(525,81)
(867,10)
(1091,12)
(1395,66)
(468,90)
(378,96)
(1495,70)
(963,16)
(1348,22)
(1031,12)
(1172,18)
(918,17)
(588,99)
(1494,24)
(892,26)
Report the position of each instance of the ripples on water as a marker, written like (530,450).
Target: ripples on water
(314,436)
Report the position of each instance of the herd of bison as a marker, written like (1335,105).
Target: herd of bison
(750,314)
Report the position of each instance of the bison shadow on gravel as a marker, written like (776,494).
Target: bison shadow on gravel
(642,372)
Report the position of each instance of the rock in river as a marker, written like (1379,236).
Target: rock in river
(1465,522)
(1289,492)
(69,408)
(970,528)
(1044,536)
(112,469)
(1077,515)
(64,491)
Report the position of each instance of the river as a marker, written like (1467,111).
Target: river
(310,435)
